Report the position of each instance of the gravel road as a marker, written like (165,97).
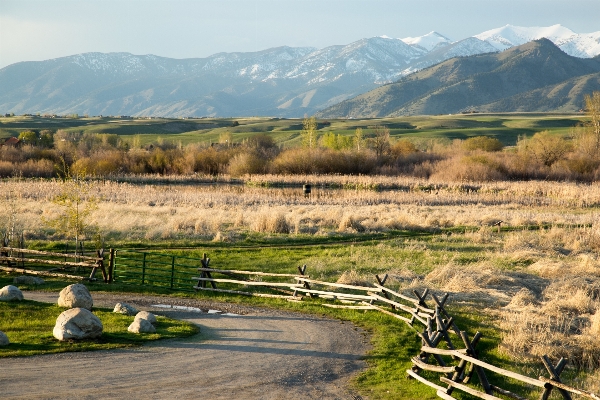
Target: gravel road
(255,354)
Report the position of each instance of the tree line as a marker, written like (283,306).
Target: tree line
(545,155)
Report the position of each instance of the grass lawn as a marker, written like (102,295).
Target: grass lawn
(29,324)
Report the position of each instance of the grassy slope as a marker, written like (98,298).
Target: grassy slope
(286,132)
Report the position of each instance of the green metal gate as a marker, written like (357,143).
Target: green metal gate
(132,267)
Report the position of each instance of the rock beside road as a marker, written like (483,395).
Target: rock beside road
(77,323)
(145,315)
(10,293)
(141,326)
(75,296)
(126,309)
(4,339)
(28,280)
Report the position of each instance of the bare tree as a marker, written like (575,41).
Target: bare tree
(381,141)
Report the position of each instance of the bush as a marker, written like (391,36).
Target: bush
(483,143)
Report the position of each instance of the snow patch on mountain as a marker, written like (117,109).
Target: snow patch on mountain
(584,45)
(509,35)
(427,42)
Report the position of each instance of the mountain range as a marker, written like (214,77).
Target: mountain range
(533,77)
(293,82)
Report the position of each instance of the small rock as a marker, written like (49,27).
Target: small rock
(28,280)
(4,339)
(141,326)
(75,296)
(77,323)
(124,308)
(10,293)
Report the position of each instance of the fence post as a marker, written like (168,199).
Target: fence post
(172,270)
(111,265)
(144,269)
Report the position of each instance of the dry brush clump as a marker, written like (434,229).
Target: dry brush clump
(563,322)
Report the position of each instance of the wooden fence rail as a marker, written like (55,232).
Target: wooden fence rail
(456,364)
(13,256)
(445,350)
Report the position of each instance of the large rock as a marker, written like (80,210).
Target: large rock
(77,323)
(28,280)
(75,296)
(140,325)
(10,293)
(124,308)
(148,316)
(4,339)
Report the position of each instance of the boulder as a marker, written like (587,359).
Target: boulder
(4,339)
(124,308)
(140,325)
(28,280)
(75,296)
(77,323)
(148,316)
(10,293)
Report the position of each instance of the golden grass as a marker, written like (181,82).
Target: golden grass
(547,303)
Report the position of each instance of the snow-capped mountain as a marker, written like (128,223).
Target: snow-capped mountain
(427,42)
(283,81)
(585,45)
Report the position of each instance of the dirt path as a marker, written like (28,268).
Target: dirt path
(257,354)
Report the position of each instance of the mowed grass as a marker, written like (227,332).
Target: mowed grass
(29,324)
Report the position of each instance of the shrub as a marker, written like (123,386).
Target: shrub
(247,163)
(545,148)
(483,143)
(272,223)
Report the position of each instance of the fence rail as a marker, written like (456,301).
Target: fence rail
(15,260)
(446,349)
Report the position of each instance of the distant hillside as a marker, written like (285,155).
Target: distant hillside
(536,76)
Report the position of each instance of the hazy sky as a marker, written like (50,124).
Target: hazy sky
(33,30)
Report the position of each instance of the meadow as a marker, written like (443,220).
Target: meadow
(535,281)
(499,211)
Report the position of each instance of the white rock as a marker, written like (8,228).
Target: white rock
(75,296)
(147,316)
(4,339)
(124,308)
(10,293)
(141,326)
(28,280)
(77,323)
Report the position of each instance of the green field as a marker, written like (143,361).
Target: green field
(286,132)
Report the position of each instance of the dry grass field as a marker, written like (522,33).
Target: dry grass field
(539,277)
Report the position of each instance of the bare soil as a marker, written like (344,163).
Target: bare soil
(256,354)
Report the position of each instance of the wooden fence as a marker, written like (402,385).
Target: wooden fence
(447,352)
(62,265)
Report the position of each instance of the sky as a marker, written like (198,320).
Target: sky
(35,30)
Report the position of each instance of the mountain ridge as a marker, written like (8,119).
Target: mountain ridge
(282,81)
(489,82)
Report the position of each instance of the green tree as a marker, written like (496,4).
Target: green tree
(29,137)
(309,132)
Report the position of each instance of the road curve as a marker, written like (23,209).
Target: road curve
(262,354)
